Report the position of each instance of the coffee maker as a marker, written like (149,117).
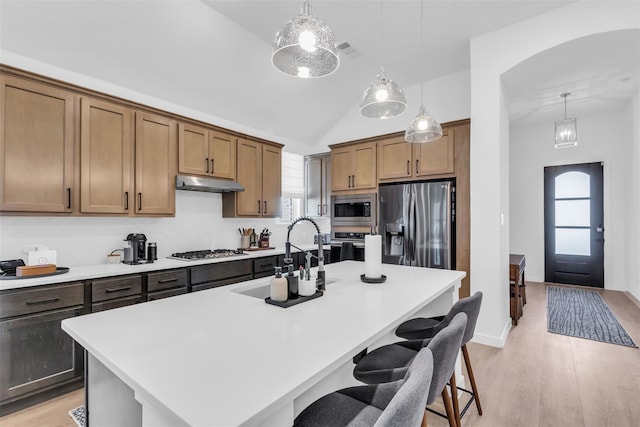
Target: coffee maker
(135,253)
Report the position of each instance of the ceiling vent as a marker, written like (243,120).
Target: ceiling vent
(348,50)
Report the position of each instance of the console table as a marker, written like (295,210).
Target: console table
(518,296)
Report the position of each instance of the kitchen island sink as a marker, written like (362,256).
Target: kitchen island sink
(261,290)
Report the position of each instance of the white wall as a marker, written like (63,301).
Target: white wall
(602,137)
(492,55)
(446,98)
(198,224)
(633,209)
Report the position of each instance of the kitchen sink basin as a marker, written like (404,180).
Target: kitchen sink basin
(262,290)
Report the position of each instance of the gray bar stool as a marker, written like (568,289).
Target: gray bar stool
(399,403)
(390,362)
(424,328)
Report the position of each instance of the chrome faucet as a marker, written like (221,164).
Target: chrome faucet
(320,281)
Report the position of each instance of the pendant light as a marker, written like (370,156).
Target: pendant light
(567,129)
(384,98)
(305,47)
(423,128)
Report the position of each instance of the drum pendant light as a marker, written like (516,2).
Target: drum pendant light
(305,47)
(567,129)
(423,128)
(384,98)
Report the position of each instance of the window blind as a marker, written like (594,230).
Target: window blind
(292,175)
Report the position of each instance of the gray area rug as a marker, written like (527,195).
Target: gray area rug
(78,415)
(583,314)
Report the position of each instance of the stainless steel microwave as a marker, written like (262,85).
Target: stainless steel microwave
(353,210)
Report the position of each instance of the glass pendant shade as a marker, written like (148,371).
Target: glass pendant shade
(305,47)
(383,99)
(566,133)
(567,129)
(423,128)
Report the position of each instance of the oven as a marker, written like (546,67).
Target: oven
(338,238)
(353,210)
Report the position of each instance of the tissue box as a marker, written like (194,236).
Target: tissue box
(41,257)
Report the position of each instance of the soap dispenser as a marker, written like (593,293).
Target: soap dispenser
(279,288)
(292,281)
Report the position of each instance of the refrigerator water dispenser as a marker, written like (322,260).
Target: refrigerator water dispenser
(394,240)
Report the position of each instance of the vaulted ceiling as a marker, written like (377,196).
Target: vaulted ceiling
(213,57)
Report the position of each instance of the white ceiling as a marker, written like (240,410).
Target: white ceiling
(213,57)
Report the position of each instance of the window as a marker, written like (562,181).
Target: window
(292,186)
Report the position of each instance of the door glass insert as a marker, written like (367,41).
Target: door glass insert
(573,241)
(573,214)
(572,184)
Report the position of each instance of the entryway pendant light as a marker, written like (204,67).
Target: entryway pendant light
(423,128)
(305,47)
(567,129)
(384,98)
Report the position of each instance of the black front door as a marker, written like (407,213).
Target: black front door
(573,224)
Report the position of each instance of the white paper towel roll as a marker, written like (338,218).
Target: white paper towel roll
(373,257)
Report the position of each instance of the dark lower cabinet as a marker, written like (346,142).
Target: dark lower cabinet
(114,292)
(38,360)
(166,284)
(220,274)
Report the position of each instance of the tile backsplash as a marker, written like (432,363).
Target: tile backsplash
(198,224)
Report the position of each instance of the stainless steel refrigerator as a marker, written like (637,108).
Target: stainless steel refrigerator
(417,222)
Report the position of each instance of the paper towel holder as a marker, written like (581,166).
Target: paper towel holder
(366,279)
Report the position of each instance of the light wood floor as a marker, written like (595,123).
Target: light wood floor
(537,379)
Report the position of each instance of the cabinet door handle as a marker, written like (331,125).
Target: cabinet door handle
(126,200)
(68,198)
(319,212)
(265,207)
(353,181)
(43,301)
(139,201)
(408,166)
(123,288)
(258,206)
(266,265)
(349,181)
(206,163)
(167,280)
(417,171)
(211,165)
(324,209)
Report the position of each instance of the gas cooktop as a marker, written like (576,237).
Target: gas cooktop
(205,254)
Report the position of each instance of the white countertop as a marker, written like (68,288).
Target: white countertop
(120,269)
(217,357)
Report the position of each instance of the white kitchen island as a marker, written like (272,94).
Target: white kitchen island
(222,358)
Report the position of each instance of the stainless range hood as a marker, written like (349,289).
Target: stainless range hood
(210,185)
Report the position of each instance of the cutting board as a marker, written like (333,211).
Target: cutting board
(35,270)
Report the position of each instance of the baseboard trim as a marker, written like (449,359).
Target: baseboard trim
(493,341)
(633,298)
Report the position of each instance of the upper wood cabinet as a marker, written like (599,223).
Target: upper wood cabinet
(399,159)
(353,167)
(259,172)
(156,160)
(434,158)
(206,152)
(106,166)
(108,148)
(36,147)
